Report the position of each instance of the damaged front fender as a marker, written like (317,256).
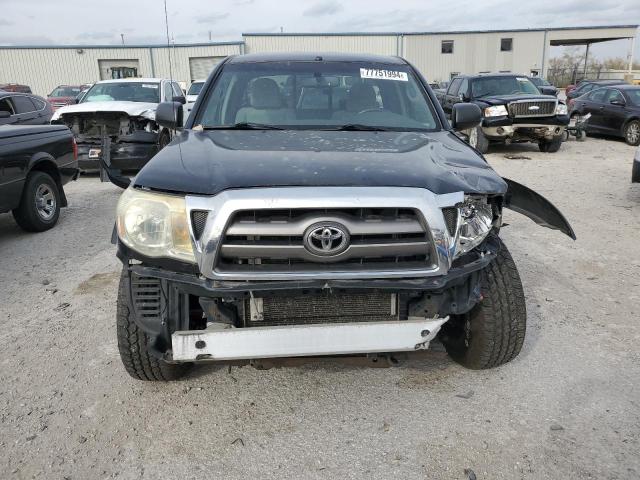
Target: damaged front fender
(533,205)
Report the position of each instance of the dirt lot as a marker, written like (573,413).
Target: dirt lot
(567,407)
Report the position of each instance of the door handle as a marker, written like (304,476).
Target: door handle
(601,107)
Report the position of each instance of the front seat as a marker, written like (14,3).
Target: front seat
(266,104)
(361,97)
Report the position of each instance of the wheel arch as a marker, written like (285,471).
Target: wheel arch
(44,162)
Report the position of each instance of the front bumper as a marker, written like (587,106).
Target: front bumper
(502,128)
(124,156)
(304,340)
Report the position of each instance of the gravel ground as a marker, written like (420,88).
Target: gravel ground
(567,407)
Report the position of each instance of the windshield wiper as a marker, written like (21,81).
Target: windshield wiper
(358,127)
(243,126)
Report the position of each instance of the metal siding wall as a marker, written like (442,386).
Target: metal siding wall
(377,44)
(473,53)
(45,68)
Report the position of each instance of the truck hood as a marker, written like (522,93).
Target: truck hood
(133,109)
(209,162)
(504,99)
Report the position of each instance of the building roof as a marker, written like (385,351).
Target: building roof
(451,32)
(158,45)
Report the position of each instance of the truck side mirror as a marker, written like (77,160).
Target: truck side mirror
(546,90)
(169,115)
(465,116)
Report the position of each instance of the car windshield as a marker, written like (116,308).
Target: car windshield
(318,95)
(486,86)
(634,95)
(123,92)
(65,92)
(195,88)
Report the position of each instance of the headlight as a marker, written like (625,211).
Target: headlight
(154,224)
(497,111)
(561,109)
(476,219)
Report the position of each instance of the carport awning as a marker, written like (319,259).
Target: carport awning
(581,41)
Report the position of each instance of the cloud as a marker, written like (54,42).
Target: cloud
(329,7)
(212,18)
(5,23)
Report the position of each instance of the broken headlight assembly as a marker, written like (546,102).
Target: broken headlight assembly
(154,224)
(475,219)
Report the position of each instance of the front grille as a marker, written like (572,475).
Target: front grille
(536,108)
(321,308)
(198,222)
(146,295)
(451,219)
(266,241)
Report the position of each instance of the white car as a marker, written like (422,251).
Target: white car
(192,96)
(122,113)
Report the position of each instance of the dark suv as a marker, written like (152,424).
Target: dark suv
(313,205)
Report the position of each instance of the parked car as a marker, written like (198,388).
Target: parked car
(24,109)
(64,95)
(585,86)
(15,87)
(349,221)
(114,123)
(541,82)
(635,170)
(615,110)
(192,96)
(513,110)
(35,162)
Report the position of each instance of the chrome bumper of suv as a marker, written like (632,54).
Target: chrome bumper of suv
(427,252)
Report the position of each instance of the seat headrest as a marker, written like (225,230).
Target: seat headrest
(361,97)
(265,93)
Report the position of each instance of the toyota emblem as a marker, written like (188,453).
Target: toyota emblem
(326,239)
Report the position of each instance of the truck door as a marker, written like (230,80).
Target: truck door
(451,98)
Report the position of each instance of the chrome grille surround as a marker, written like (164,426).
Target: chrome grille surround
(224,206)
(522,108)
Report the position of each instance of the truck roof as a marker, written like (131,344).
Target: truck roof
(314,56)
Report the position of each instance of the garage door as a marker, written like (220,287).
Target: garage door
(118,69)
(200,67)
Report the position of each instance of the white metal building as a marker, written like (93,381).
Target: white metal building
(439,55)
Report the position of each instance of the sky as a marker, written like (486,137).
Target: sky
(49,22)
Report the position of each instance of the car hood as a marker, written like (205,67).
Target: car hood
(503,99)
(133,109)
(209,162)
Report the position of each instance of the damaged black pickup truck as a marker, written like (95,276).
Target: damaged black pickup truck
(114,123)
(318,205)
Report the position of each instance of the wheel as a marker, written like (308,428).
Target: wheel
(492,333)
(133,343)
(478,140)
(632,133)
(164,140)
(550,146)
(39,207)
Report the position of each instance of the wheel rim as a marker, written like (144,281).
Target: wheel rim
(45,202)
(633,132)
(473,138)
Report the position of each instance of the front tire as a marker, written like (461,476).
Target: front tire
(632,133)
(39,207)
(133,343)
(550,146)
(492,333)
(478,140)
